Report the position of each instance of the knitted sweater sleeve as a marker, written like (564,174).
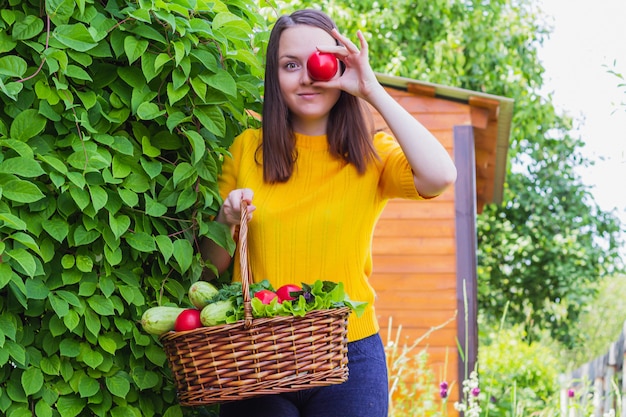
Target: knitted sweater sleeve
(396,179)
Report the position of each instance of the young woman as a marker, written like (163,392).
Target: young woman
(316,178)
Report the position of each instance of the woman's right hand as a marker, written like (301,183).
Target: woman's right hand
(230,212)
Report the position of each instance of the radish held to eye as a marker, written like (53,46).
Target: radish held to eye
(322,66)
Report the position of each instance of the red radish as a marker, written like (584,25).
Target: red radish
(188,319)
(322,66)
(266,296)
(284,292)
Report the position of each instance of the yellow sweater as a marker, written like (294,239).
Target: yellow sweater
(319,224)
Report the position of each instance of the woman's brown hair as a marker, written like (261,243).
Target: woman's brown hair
(349,132)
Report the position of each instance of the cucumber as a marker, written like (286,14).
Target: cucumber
(160,319)
(201,293)
(216,313)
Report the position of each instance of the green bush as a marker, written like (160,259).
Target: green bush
(115,116)
(600,323)
(517,377)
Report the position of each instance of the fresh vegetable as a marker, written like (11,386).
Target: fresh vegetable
(202,293)
(321,66)
(321,295)
(160,319)
(288,292)
(266,296)
(226,306)
(188,319)
(217,312)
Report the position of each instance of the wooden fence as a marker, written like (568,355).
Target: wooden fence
(598,388)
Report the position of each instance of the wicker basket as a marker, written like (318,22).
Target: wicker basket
(258,356)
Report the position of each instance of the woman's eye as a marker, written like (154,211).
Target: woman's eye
(291,66)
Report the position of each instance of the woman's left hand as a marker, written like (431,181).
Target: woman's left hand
(358,77)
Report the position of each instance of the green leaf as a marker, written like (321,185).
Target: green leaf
(22,166)
(43,409)
(231,26)
(12,66)
(152,168)
(87,386)
(144,379)
(156,355)
(71,320)
(134,48)
(92,322)
(187,198)
(83,236)
(84,263)
(118,385)
(77,73)
(36,289)
(50,365)
(154,208)
(101,305)
(174,95)
(221,81)
(70,406)
(113,256)
(119,224)
(75,36)
(24,259)
(21,191)
(70,297)
(20,411)
(148,149)
(197,144)
(8,325)
(69,348)
(27,28)
(14,222)
(59,305)
(174,411)
(183,253)
(141,14)
(16,351)
(26,240)
(99,197)
(90,357)
(123,145)
(211,118)
(57,228)
(28,124)
(166,247)
(21,148)
(129,197)
(107,344)
(149,111)
(107,286)
(182,172)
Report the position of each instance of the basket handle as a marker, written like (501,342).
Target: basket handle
(245,270)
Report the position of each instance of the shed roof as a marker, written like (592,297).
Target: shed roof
(491,119)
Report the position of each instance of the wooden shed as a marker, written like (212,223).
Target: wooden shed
(425,251)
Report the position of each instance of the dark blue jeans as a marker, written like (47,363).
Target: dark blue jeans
(364,394)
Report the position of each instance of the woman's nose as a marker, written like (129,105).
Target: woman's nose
(305,78)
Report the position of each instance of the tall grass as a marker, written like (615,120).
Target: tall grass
(413,387)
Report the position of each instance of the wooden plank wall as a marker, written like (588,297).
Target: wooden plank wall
(415,252)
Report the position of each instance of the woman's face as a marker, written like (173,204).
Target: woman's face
(309,104)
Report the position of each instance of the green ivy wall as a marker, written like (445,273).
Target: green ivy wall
(114,118)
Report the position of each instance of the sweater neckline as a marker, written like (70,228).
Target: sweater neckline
(319,142)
